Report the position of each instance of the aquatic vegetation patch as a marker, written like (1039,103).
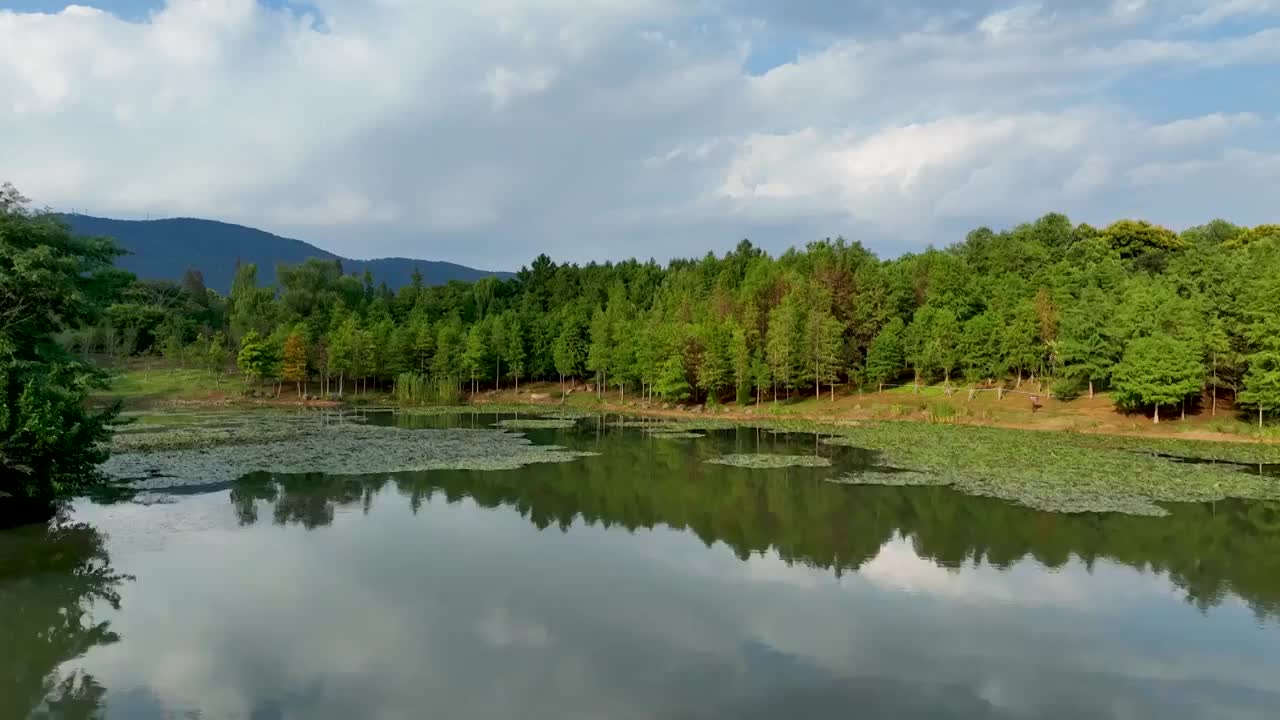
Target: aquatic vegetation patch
(770,461)
(674,434)
(1048,471)
(645,424)
(336,449)
(198,430)
(570,415)
(536,424)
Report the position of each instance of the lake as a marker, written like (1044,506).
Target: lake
(636,582)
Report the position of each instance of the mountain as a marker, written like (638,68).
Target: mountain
(164,249)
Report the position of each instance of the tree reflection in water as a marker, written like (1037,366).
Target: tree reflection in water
(1209,551)
(52,579)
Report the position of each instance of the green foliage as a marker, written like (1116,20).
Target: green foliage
(255,358)
(1046,298)
(885,359)
(672,384)
(1067,388)
(715,367)
(51,282)
(1134,237)
(1156,371)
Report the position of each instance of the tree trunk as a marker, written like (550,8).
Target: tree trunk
(1184,409)
(833,392)
(1090,388)
(299,391)
(342,377)
(1259,416)
(1157,414)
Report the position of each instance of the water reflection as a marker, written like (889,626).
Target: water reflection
(645,583)
(52,579)
(1210,552)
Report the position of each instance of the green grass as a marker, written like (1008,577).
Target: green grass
(140,386)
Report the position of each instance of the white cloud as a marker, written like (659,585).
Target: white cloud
(509,127)
(1219,11)
(909,180)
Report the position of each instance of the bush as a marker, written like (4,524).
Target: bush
(1067,388)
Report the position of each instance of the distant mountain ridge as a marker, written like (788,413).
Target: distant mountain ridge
(165,249)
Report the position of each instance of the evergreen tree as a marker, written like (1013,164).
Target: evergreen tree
(254,358)
(783,344)
(513,349)
(740,354)
(1086,351)
(216,355)
(885,358)
(599,352)
(1156,371)
(673,383)
(474,355)
(1262,381)
(715,367)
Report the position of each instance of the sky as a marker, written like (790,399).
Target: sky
(488,131)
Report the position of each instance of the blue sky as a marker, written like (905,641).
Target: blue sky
(488,131)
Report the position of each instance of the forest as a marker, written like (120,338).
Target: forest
(1166,322)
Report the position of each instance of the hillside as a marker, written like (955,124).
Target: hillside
(164,249)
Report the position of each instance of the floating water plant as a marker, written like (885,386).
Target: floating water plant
(536,424)
(1051,471)
(674,435)
(768,461)
(342,449)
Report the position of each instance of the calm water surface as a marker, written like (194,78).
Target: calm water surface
(643,583)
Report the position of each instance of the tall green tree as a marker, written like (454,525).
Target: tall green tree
(784,344)
(570,353)
(885,358)
(514,349)
(51,282)
(254,358)
(1156,371)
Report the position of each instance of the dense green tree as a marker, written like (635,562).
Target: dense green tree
(979,347)
(673,383)
(513,350)
(886,358)
(784,345)
(51,282)
(474,355)
(1132,238)
(715,365)
(570,353)
(1086,352)
(249,306)
(1156,371)
(254,358)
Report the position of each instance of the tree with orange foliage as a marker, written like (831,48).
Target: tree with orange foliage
(295,360)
